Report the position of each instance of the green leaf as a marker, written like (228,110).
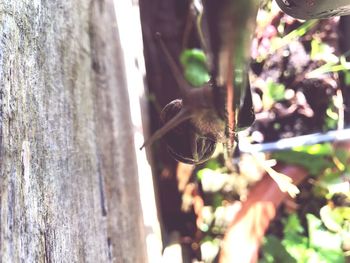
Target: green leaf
(331,220)
(347,77)
(315,164)
(320,237)
(212,181)
(195,69)
(201,173)
(295,34)
(329,255)
(332,117)
(213,164)
(325,149)
(210,250)
(274,92)
(217,200)
(294,241)
(342,213)
(299,251)
(343,156)
(332,181)
(273,251)
(190,55)
(322,51)
(292,225)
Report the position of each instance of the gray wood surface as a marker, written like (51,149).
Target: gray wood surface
(68,182)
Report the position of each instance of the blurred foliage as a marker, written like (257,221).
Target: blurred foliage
(332,117)
(326,234)
(274,92)
(315,158)
(320,245)
(318,229)
(333,64)
(307,236)
(282,41)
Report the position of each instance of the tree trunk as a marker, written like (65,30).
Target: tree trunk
(69,188)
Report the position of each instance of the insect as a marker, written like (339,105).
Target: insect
(191,126)
(214,112)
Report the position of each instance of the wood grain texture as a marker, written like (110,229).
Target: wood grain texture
(68,174)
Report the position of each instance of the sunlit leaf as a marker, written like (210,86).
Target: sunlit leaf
(273,251)
(292,225)
(316,149)
(329,255)
(295,34)
(209,250)
(343,156)
(212,181)
(322,51)
(320,237)
(213,164)
(294,241)
(274,92)
(315,164)
(347,78)
(330,219)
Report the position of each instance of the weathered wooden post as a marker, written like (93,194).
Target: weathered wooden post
(69,187)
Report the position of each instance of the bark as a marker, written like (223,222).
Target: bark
(69,189)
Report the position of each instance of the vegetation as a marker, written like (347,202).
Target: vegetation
(315,226)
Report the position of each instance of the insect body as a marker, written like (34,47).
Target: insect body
(194,140)
(191,126)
